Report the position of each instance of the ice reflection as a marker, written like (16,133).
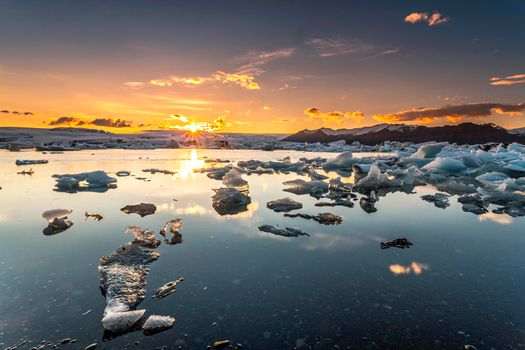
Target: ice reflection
(415,268)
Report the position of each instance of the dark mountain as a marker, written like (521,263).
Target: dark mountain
(466,133)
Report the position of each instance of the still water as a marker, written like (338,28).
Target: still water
(461,283)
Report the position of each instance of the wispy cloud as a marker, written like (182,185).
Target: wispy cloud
(256,59)
(335,116)
(327,47)
(510,80)
(452,113)
(432,19)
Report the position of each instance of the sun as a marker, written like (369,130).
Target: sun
(193,128)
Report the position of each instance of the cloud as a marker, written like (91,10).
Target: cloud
(335,116)
(256,59)
(134,84)
(244,80)
(181,122)
(6,111)
(432,20)
(112,123)
(415,268)
(244,76)
(65,121)
(338,47)
(452,113)
(510,80)
(107,122)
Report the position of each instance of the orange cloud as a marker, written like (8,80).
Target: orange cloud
(335,116)
(432,20)
(452,113)
(510,80)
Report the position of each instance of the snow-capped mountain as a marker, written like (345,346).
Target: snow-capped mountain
(465,133)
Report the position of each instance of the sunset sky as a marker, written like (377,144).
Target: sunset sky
(260,66)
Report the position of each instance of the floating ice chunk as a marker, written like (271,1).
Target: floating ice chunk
(473,204)
(429,150)
(299,186)
(343,161)
(401,243)
(322,218)
(284,204)
(440,200)
(57,221)
(455,186)
(517,166)
(31,162)
(234,179)
(376,180)
(161,171)
(368,204)
(94,179)
(285,232)
(121,321)
(447,165)
(316,176)
(361,168)
(167,289)
(123,277)
(516,147)
(156,323)
(229,201)
(337,202)
(171,228)
(142,209)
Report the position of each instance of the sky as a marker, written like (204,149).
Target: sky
(260,66)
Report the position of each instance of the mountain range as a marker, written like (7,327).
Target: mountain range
(465,133)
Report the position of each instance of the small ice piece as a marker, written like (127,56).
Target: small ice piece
(161,171)
(285,232)
(94,217)
(172,228)
(283,204)
(440,200)
(447,165)
(401,243)
(167,289)
(229,201)
(121,321)
(429,150)
(93,180)
(26,172)
(322,218)
(156,323)
(30,162)
(122,173)
(142,209)
(343,202)
(361,168)
(299,186)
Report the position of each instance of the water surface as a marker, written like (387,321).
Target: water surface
(460,284)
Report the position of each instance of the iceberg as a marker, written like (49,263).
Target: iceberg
(171,228)
(322,218)
(143,209)
(229,201)
(283,204)
(285,232)
(85,181)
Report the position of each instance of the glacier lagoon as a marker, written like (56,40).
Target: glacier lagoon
(459,285)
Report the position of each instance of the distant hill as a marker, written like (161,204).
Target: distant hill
(465,133)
